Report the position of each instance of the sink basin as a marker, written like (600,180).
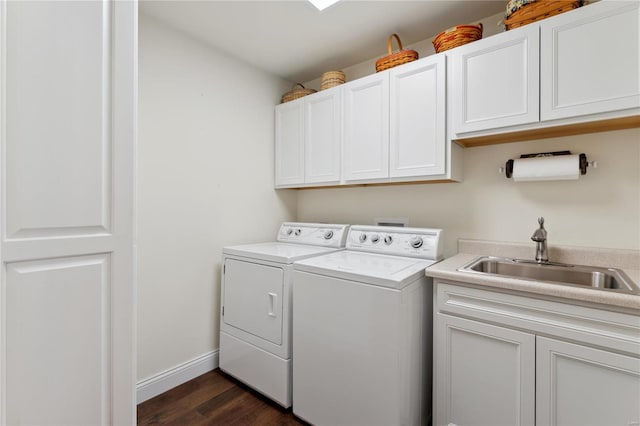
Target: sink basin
(608,279)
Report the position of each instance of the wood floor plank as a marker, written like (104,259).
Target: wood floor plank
(166,407)
(214,399)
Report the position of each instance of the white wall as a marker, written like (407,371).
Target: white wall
(601,209)
(205,181)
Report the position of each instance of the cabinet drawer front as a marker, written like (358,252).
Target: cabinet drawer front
(590,61)
(496,81)
(614,330)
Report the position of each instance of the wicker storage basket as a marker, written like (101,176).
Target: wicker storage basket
(396,58)
(457,36)
(297,91)
(523,12)
(332,79)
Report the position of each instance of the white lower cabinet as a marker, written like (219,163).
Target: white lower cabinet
(505,359)
(579,385)
(484,374)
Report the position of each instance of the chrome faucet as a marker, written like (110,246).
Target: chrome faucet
(540,237)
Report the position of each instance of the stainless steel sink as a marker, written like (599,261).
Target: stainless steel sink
(608,279)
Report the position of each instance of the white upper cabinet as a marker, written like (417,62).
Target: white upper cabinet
(366,128)
(577,67)
(417,118)
(322,136)
(496,81)
(590,60)
(289,149)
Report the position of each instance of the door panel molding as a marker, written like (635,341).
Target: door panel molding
(67,210)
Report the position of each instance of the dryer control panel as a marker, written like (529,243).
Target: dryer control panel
(424,243)
(316,234)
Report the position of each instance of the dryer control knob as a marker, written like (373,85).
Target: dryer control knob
(388,239)
(363,237)
(328,235)
(416,242)
(298,232)
(288,231)
(375,238)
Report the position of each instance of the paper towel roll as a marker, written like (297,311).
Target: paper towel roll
(557,167)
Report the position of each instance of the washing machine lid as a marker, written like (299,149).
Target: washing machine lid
(369,268)
(277,252)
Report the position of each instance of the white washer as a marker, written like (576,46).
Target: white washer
(255,319)
(362,329)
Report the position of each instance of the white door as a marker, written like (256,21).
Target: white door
(590,60)
(366,128)
(323,131)
(484,374)
(68,143)
(582,386)
(495,81)
(289,150)
(253,298)
(417,118)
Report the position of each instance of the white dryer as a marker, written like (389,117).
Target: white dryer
(255,322)
(362,329)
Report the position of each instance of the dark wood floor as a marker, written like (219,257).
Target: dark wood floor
(213,399)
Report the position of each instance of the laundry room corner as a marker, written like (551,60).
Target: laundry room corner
(205,128)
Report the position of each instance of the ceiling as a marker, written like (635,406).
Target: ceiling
(295,41)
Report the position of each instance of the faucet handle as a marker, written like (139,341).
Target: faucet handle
(540,234)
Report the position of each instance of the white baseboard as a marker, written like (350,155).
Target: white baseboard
(181,373)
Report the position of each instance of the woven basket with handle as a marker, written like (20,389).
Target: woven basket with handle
(523,12)
(393,59)
(297,91)
(457,36)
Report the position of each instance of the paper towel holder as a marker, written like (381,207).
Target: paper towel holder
(583,163)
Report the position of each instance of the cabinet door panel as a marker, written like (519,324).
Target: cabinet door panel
(289,161)
(484,374)
(578,385)
(366,128)
(590,64)
(322,137)
(417,118)
(496,81)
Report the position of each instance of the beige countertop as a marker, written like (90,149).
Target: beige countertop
(627,260)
